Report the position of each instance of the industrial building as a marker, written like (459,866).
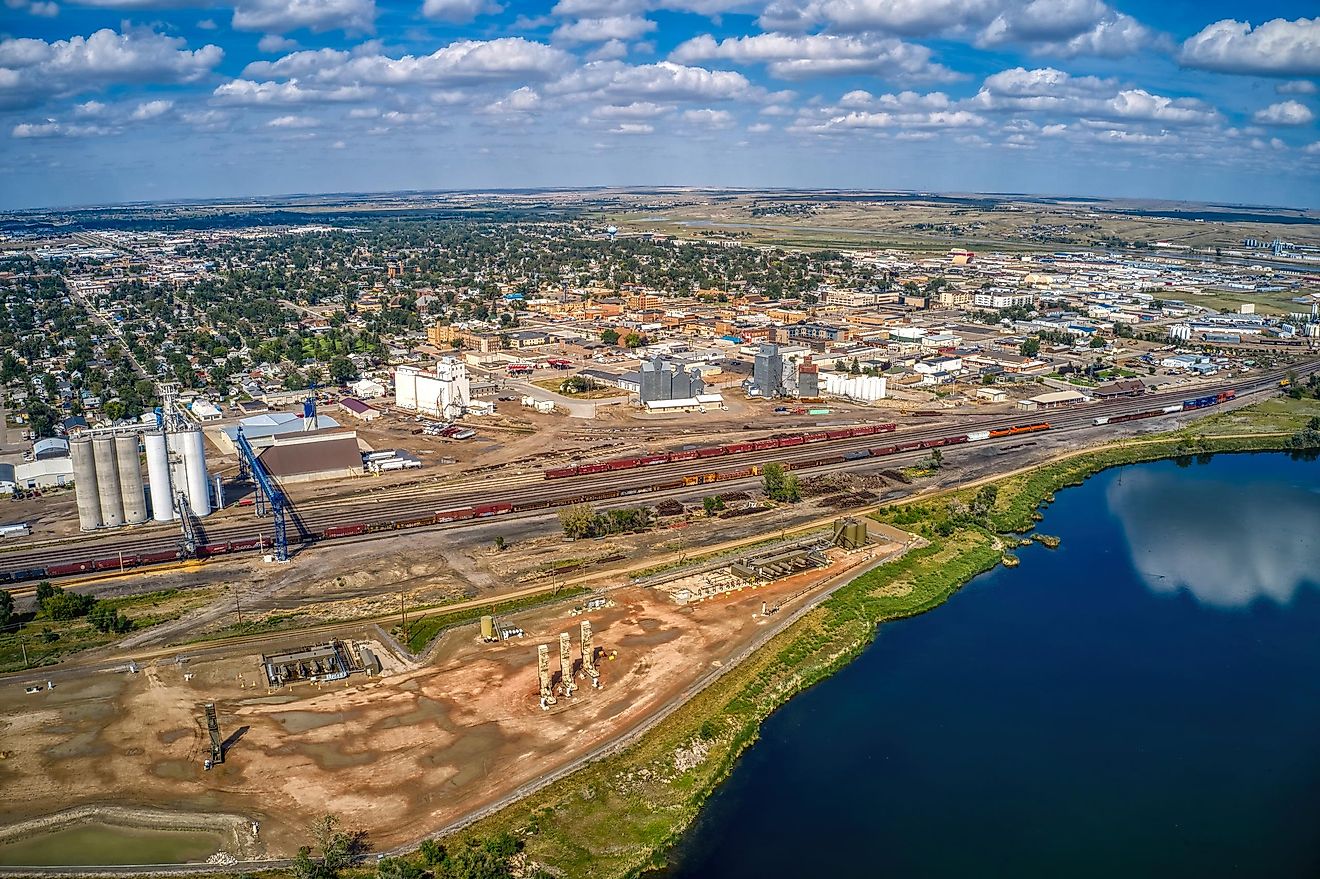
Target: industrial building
(310,455)
(862,388)
(442,393)
(1055,400)
(270,424)
(767,373)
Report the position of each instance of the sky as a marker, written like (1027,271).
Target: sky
(108,101)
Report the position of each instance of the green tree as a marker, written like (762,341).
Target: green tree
(609,336)
(578,521)
(500,543)
(398,868)
(712,504)
(779,485)
(6,608)
(341,370)
(1030,347)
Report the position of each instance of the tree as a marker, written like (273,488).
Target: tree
(398,868)
(1097,342)
(1029,347)
(500,543)
(712,504)
(339,849)
(341,370)
(780,486)
(578,521)
(609,336)
(6,608)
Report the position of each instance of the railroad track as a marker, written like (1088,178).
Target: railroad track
(528,492)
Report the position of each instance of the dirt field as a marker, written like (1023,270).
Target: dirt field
(397,755)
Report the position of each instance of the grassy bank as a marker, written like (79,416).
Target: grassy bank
(616,817)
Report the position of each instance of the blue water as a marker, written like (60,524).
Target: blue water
(1143,701)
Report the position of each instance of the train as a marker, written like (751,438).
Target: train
(481,511)
(1184,406)
(702,452)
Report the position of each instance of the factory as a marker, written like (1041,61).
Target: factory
(442,393)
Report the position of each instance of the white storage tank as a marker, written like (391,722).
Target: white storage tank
(107,482)
(158,475)
(194,462)
(130,478)
(84,484)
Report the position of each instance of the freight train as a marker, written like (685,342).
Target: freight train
(481,511)
(1184,406)
(779,442)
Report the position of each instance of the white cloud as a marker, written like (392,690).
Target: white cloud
(273,44)
(460,61)
(1312,149)
(797,57)
(859,119)
(35,7)
(293,122)
(635,110)
(1067,28)
(1297,87)
(459,11)
(1275,48)
(708,118)
(244,92)
(1049,90)
(759,128)
(31,69)
(519,101)
(1285,113)
(150,110)
(632,128)
(600,30)
(25,130)
(281,16)
(609,51)
(664,80)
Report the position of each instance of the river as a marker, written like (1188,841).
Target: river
(1143,701)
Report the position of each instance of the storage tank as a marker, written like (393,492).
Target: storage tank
(857,534)
(199,481)
(158,475)
(130,478)
(488,628)
(107,482)
(84,484)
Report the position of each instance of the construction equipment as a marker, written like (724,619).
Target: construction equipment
(268,493)
(217,744)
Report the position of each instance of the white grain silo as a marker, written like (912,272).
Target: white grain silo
(158,475)
(130,478)
(194,461)
(107,482)
(84,484)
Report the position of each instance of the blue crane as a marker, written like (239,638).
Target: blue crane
(268,492)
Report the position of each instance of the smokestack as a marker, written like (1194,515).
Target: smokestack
(589,655)
(566,664)
(543,668)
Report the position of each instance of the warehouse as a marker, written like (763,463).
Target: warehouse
(312,455)
(1055,400)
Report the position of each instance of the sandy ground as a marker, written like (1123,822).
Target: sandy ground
(397,755)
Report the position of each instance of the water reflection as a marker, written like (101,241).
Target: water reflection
(1182,535)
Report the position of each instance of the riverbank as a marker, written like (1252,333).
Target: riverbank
(616,817)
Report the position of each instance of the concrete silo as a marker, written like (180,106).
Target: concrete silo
(130,478)
(194,461)
(84,484)
(158,475)
(107,482)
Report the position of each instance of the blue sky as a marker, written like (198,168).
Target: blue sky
(129,100)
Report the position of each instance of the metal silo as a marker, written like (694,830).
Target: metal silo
(158,475)
(194,460)
(84,484)
(130,478)
(107,482)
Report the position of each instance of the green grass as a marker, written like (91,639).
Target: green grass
(423,631)
(49,641)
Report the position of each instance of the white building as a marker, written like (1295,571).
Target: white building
(1002,299)
(443,393)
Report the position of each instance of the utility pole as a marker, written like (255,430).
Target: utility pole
(403,615)
(237,608)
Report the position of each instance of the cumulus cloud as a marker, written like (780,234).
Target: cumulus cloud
(244,92)
(32,70)
(51,128)
(459,11)
(273,44)
(34,7)
(617,82)
(293,121)
(1297,87)
(1050,90)
(708,118)
(600,30)
(281,16)
(150,110)
(518,102)
(459,62)
(1068,28)
(635,110)
(1275,48)
(632,128)
(1285,113)
(798,57)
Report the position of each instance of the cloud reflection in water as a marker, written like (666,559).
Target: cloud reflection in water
(1225,543)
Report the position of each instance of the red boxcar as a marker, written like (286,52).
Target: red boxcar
(561,472)
(792,441)
(151,558)
(70,568)
(652,459)
(712,451)
(344,531)
(685,455)
(492,509)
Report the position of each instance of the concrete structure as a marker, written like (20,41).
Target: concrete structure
(84,481)
(589,655)
(131,491)
(1053,400)
(862,388)
(768,372)
(107,482)
(197,482)
(158,476)
(660,379)
(566,685)
(543,672)
(443,393)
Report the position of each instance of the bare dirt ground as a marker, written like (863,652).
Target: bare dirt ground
(397,755)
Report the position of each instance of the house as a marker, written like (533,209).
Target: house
(359,409)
